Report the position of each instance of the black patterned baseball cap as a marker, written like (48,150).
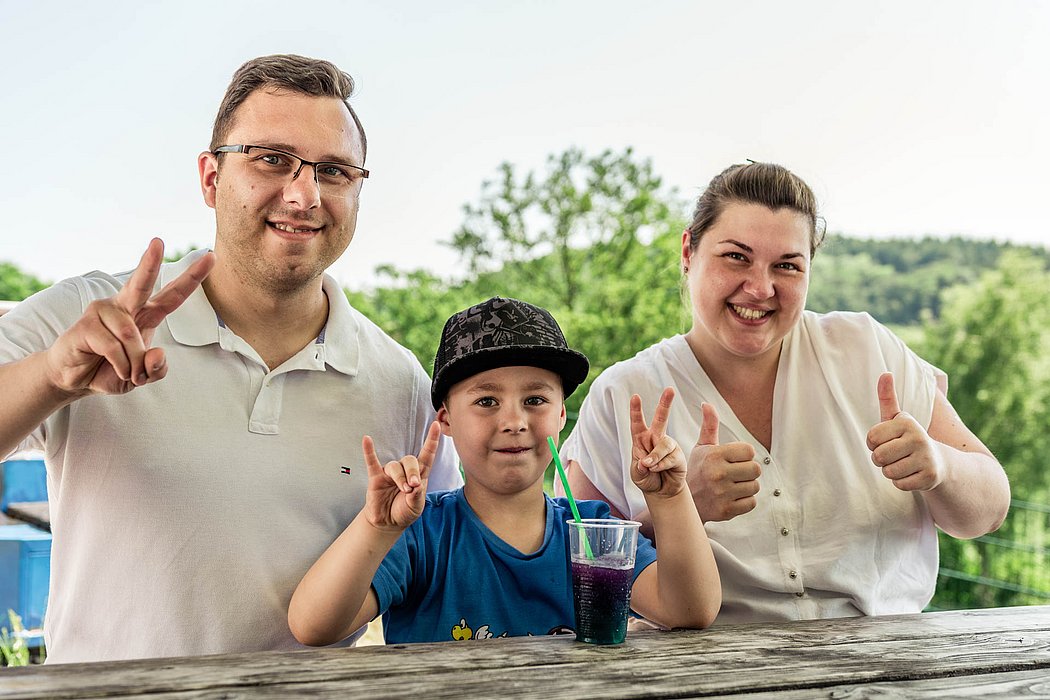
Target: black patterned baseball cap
(503,332)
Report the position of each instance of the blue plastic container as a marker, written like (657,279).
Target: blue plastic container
(22,480)
(25,572)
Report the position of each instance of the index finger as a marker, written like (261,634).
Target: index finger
(175,292)
(663,409)
(638,425)
(430,448)
(888,406)
(135,292)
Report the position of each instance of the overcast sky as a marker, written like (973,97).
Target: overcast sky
(906,117)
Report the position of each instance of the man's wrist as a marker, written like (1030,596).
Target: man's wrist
(50,378)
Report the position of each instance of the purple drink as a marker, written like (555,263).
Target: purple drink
(601,596)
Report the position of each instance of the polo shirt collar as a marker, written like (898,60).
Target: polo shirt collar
(195,322)
(340,339)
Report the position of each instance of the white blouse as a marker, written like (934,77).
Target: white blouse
(830,535)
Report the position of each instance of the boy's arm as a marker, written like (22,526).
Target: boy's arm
(335,598)
(682,588)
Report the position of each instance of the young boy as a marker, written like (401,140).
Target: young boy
(491,559)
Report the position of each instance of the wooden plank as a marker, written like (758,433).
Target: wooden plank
(1012,684)
(738,659)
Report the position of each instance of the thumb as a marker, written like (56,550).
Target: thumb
(888,407)
(708,426)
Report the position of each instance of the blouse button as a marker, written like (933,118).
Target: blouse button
(792,574)
(784,531)
(767,460)
(776,492)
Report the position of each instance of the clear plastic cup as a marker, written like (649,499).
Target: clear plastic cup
(602,557)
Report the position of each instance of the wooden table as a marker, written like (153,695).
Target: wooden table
(33,512)
(1002,652)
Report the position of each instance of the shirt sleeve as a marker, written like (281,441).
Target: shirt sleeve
(33,326)
(915,380)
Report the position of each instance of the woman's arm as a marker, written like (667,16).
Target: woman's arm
(682,588)
(974,495)
(963,484)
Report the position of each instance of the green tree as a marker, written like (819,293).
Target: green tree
(16,285)
(992,339)
(592,239)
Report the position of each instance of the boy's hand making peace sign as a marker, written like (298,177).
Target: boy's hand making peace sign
(658,465)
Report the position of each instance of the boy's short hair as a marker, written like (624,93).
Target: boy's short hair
(503,332)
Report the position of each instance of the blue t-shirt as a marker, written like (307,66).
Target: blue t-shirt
(450,577)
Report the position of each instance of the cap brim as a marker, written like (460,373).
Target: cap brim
(570,365)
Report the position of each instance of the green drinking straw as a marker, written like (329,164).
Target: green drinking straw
(568,494)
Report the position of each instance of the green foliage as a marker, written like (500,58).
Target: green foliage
(16,285)
(992,339)
(13,647)
(593,240)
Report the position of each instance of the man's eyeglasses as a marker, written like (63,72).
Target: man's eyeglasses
(282,167)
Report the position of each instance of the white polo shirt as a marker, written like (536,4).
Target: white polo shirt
(830,536)
(185,512)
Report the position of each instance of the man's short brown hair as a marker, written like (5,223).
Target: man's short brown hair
(308,76)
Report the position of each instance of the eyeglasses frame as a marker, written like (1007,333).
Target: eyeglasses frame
(245,148)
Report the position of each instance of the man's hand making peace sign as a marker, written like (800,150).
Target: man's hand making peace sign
(108,350)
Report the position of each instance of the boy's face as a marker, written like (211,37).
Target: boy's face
(499,421)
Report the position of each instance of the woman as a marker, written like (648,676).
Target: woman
(826,452)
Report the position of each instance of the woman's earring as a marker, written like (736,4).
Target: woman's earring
(685,269)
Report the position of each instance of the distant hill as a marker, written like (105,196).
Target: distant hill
(899,280)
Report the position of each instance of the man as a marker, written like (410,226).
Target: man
(184,511)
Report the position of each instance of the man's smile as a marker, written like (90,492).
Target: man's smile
(289,228)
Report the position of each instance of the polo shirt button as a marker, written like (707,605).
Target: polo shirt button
(776,492)
(767,460)
(784,531)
